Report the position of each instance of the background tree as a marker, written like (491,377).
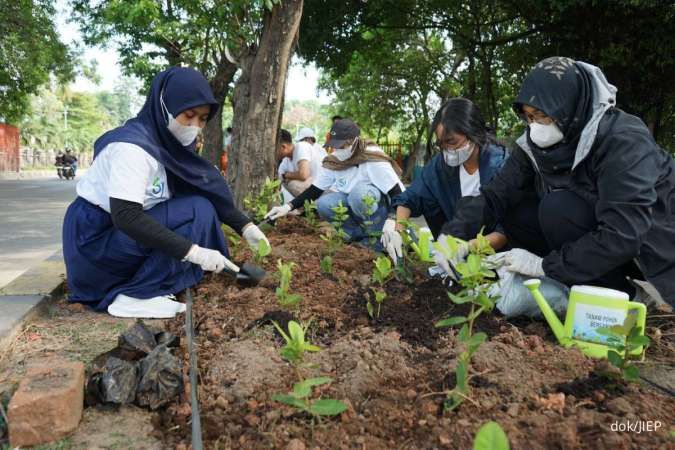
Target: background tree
(30,51)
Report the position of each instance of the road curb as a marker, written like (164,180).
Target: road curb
(29,295)
(35,175)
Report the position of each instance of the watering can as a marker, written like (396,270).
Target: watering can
(590,308)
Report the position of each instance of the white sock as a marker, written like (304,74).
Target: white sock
(162,307)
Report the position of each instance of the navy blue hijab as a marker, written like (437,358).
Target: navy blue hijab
(181,88)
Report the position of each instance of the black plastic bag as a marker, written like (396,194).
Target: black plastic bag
(137,341)
(161,378)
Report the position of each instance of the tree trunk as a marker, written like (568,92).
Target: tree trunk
(258,99)
(213,132)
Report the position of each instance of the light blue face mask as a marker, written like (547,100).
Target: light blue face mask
(458,156)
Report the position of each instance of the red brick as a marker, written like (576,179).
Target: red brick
(48,404)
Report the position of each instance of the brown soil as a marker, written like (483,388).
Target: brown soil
(393,371)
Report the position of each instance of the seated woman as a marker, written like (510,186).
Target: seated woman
(468,157)
(147,219)
(364,180)
(588,197)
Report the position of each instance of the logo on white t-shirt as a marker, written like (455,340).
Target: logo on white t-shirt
(157,188)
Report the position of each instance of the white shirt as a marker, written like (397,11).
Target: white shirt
(127,172)
(304,151)
(470,183)
(378,173)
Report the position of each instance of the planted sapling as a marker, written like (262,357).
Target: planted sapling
(284,297)
(309,208)
(340,216)
(624,340)
(259,204)
(300,398)
(262,251)
(475,278)
(371,206)
(327,264)
(382,272)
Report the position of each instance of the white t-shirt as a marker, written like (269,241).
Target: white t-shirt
(304,151)
(127,172)
(378,173)
(470,183)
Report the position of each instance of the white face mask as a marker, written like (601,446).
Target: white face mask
(343,154)
(459,156)
(185,134)
(545,135)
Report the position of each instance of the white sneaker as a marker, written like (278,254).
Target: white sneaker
(162,307)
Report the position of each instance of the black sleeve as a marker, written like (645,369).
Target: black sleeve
(311,193)
(130,219)
(468,219)
(393,192)
(235,219)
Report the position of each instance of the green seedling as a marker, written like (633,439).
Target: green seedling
(309,208)
(284,297)
(261,252)
(371,206)
(422,247)
(380,296)
(475,280)
(382,272)
(340,216)
(327,264)
(269,195)
(300,399)
(233,238)
(296,345)
(491,437)
(624,339)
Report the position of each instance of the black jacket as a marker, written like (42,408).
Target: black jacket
(631,182)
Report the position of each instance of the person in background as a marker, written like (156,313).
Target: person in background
(468,158)
(69,159)
(147,220)
(587,197)
(326,144)
(300,161)
(364,181)
(227,148)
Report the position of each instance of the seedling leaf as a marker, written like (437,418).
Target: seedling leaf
(491,437)
(327,407)
(450,321)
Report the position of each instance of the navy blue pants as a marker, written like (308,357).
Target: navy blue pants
(543,225)
(102,261)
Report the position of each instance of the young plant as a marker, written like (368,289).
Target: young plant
(382,272)
(233,238)
(475,278)
(491,437)
(259,204)
(327,264)
(340,216)
(261,252)
(309,208)
(371,206)
(422,247)
(285,298)
(625,339)
(300,398)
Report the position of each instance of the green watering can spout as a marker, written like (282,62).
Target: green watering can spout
(549,314)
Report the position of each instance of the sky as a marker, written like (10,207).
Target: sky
(301,83)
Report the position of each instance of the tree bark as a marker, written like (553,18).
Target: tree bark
(213,131)
(258,99)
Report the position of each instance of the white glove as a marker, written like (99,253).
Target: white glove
(391,240)
(209,260)
(278,212)
(521,261)
(253,236)
(442,261)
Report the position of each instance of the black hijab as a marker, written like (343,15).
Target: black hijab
(562,90)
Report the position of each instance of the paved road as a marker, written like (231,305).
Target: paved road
(31,215)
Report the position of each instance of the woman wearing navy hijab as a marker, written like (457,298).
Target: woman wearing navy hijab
(147,219)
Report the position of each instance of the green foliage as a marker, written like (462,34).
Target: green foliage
(491,436)
(382,270)
(30,51)
(285,298)
(371,206)
(422,247)
(262,251)
(379,296)
(233,238)
(299,398)
(327,264)
(269,195)
(309,208)
(296,344)
(475,280)
(625,339)
(335,237)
